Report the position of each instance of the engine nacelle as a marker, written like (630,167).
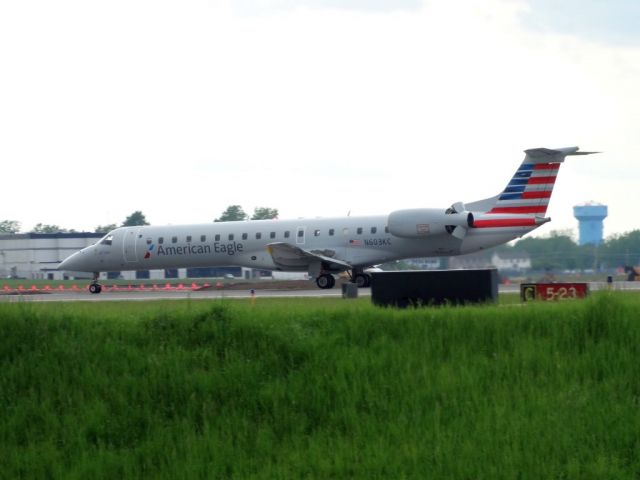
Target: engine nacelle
(423,222)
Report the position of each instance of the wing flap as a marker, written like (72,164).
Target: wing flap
(291,257)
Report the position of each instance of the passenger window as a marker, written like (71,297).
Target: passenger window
(300,233)
(272,235)
(174,239)
(230,236)
(188,238)
(149,241)
(386,229)
(217,237)
(331,232)
(244,236)
(374,230)
(203,238)
(160,240)
(258,236)
(316,233)
(359,230)
(287,234)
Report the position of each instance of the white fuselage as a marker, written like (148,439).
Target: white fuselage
(358,241)
(323,246)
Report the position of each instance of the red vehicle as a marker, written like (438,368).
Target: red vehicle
(633,273)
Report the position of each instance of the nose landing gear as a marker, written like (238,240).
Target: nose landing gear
(95,287)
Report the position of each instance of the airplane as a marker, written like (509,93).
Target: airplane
(323,247)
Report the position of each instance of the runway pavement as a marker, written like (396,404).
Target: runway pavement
(85,296)
(110,296)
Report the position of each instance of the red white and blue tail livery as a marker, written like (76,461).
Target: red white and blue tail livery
(530,189)
(325,246)
(525,199)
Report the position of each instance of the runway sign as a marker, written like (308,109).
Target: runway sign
(553,291)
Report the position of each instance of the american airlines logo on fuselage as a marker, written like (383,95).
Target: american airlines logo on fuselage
(230,248)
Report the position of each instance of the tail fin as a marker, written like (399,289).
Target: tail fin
(530,188)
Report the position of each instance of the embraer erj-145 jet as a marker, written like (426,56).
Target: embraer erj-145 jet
(323,247)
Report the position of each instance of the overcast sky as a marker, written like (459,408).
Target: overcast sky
(314,107)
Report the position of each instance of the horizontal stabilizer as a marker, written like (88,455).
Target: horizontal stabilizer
(547,153)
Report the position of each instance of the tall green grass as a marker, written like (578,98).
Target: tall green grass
(320,389)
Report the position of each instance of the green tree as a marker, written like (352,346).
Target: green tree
(135,219)
(105,228)
(557,252)
(264,213)
(9,226)
(45,228)
(233,213)
(622,249)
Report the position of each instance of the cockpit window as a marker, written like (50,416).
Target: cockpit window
(107,240)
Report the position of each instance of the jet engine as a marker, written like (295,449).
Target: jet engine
(423,222)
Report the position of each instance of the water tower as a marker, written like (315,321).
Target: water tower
(590,217)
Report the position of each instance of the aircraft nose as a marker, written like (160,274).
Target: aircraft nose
(74,262)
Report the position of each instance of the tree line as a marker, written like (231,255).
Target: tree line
(235,213)
(13,226)
(560,252)
(230,214)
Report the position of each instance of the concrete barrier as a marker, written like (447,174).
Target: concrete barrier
(349,290)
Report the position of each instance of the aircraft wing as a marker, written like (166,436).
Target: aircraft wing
(290,257)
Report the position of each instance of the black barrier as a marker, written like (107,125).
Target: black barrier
(434,287)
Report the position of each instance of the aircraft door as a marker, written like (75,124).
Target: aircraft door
(129,245)
(300,231)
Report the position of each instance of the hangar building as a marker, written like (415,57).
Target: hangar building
(37,255)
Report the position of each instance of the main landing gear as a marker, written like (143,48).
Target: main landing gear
(363,280)
(325,281)
(95,287)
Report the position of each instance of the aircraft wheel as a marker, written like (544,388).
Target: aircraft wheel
(363,280)
(325,281)
(95,288)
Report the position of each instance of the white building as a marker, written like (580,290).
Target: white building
(514,261)
(503,261)
(37,255)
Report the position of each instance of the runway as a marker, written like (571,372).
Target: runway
(120,296)
(148,295)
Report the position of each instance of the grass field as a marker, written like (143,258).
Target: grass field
(320,388)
